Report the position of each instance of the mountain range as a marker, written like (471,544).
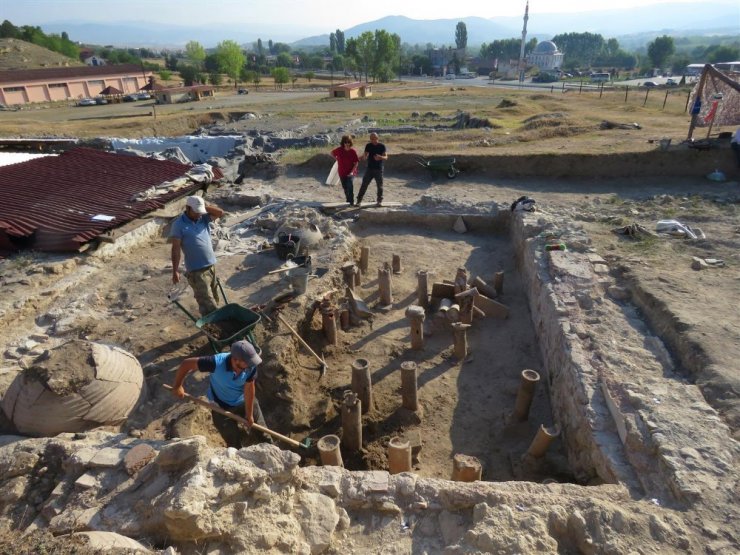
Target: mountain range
(672,18)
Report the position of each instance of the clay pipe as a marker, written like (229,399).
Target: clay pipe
(305,345)
(305,444)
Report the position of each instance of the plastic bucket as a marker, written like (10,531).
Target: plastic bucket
(298,279)
(287,245)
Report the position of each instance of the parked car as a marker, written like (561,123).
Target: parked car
(671,83)
(130,98)
(450,76)
(100,100)
(243,91)
(650,84)
(143,96)
(86,102)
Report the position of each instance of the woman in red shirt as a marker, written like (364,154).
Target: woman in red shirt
(347,160)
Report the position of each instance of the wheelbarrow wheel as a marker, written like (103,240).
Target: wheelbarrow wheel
(452,173)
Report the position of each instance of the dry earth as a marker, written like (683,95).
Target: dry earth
(662,328)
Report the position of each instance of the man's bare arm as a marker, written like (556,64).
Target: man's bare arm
(176,244)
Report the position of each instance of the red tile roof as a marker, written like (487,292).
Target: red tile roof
(64,73)
(198,88)
(355,85)
(48,203)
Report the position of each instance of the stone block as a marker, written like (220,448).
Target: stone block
(375,481)
(108,457)
(491,308)
(86,481)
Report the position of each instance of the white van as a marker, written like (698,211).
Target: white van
(450,76)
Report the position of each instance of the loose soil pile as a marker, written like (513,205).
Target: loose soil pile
(65,369)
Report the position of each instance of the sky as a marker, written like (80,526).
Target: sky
(308,14)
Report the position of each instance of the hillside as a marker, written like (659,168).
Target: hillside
(18,54)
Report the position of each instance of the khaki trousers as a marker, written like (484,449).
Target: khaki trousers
(204,286)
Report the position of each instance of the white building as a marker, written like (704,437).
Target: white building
(546,56)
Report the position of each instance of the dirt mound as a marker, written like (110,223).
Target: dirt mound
(65,369)
(19,54)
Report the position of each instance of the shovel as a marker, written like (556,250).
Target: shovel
(320,360)
(305,444)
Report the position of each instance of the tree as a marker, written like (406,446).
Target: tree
(260,48)
(251,76)
(421,64)
(461,35)
(310,75)
(189,75)
(284,60)
(270,46)
(165,74)
(313,62)
(580,49)
(279,47)
(365,50)
(281,75)
(9,31)
(170,62)
(678,66)
(660,50)
(332,42)
(337,62)
(717,53)
(211,63)
(215,79)
(230,59)
(504,49)
(340,41)
(195,53)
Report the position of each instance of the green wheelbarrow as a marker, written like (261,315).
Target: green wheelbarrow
(232,322)
(440,165)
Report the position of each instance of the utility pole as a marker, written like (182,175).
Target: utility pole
(521,66)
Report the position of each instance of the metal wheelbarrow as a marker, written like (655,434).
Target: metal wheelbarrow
(442,165)
(243,322)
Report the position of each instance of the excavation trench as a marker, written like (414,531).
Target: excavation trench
(464,406)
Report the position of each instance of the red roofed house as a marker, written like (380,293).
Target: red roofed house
(24,86)
(351,90)
(59,203)
(174,95)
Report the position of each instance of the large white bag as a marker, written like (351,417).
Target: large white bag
(333,178)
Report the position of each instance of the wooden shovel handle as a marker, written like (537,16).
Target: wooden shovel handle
(302,342)
(214,407)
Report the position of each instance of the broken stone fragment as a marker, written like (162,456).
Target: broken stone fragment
(138,457)
(459,225)
(698,263)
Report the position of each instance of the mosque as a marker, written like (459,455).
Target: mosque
(546,56)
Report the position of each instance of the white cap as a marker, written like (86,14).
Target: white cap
(196,204)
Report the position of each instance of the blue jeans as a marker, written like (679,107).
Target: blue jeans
(347,185)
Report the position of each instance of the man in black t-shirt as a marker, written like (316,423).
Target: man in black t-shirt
(375,155)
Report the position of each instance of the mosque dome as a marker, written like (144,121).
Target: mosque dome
(545,47)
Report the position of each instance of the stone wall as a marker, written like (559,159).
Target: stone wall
(556,281)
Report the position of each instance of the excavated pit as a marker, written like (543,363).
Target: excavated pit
(465,406)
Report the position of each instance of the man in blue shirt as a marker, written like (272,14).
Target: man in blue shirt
(191,235)
(231,386)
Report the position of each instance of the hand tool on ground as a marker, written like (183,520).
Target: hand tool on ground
(305,444)
(309,349)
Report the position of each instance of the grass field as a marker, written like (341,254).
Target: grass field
(521,120)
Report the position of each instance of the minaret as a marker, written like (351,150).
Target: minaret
(522,65)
